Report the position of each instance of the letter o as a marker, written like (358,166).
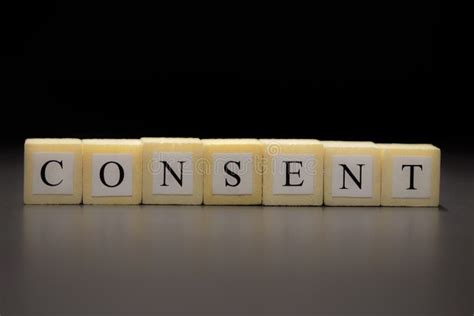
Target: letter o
(121,174)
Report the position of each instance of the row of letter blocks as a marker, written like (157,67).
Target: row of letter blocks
(230,172)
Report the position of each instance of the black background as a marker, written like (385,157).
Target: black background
(350,71)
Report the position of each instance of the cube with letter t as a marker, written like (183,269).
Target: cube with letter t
(112,171)
(53,171)
(410,174)
(233,173)
(172,170)
(351,173)
(292,172)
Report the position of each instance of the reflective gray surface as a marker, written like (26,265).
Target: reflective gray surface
(238,260)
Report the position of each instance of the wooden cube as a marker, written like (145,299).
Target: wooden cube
(410,174)
(112,171)
(233,173)
(292,172)
(351,173)
(172,171)
(53,171)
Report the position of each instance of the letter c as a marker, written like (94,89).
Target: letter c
(43,172)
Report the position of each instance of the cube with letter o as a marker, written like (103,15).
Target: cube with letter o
(112,171)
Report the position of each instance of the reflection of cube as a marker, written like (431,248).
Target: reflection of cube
(53,171)
(292,172)
(112,171)
(172,171)
(352,173)
(410,174)
(233,172)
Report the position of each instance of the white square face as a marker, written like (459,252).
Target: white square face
(112,174)
(232,174)
(411,177)
(53,173)
(352,176)
(172,173)
(293,174)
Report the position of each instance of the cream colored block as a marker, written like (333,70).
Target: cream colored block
(172,171)
(233,173)
(351,173)
(410,174)
(112,171)
(53,171)
(292,172)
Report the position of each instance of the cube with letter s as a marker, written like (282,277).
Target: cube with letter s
(233,174)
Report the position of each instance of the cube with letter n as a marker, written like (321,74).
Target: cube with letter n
(352,173)
(172,170)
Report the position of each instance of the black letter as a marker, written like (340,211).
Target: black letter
(43,172)
(233,174)
(412,175)
(166,166)
(288,172)
(121,174)
(349,172)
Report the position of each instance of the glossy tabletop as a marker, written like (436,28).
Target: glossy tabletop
(238,260)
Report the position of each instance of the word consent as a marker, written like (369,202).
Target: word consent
(230,172)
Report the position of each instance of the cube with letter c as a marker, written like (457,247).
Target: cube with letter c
(53,171)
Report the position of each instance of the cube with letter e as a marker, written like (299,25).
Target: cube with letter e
(292,172)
